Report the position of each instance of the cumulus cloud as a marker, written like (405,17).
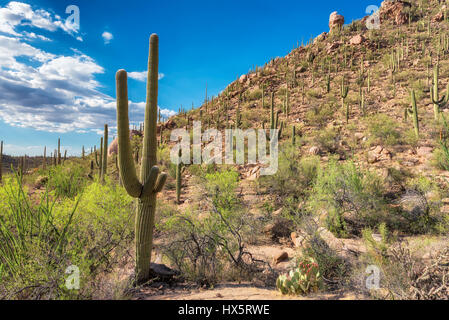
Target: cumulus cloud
(17,14)
(48,91)
(107,37)
(142,76)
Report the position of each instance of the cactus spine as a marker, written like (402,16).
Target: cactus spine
(104,164)
(151,182)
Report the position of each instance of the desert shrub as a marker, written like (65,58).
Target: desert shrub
(211,248)
(41,241)
(255,95)
(333,268)
(67,181)
(295,175)
(320,115)
(327,139)
(383,129)
(343,191)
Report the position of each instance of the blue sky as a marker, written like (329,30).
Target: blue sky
(59,81)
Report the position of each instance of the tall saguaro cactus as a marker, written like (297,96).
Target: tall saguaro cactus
(179,177)
(104,160)
(413,112)
(151,182)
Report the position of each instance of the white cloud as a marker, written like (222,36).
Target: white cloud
(107,37)
(167,113)
(142,76)
(17,14)
(47,91)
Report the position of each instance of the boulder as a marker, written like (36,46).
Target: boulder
(357,40)
(414,204)
(314,151)
(321,37)
(336,21)
(280,228)
(440,15)
(395,11)
(424,152)
(113,147)
(281,257)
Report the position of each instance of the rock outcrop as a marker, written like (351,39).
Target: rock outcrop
(336,21)
(395,11)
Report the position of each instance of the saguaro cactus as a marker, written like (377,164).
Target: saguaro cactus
(434,94)
(414,113)
(178,178)
(104,164)
(44,160)
(344,95)
(101,156)
(59,151)
(151,182)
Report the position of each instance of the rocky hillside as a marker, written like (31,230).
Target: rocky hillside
(379,67)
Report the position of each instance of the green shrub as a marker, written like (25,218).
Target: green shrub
(40,241)
(67,181)
(295,175)
(211,248)
(383,129)
(342,191)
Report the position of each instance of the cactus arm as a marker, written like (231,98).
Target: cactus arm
(126,163)
(160,182)
(150,183)
(150,136)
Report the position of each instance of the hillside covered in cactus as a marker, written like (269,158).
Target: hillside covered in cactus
(362,184)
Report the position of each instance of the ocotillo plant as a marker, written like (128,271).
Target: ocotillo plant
(104,164)
(344,95)
(414,113)
(65,156)
(151,182)
(178,178)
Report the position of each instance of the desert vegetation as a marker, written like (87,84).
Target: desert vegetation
(361,187)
